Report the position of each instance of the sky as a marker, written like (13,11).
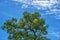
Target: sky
(49,10)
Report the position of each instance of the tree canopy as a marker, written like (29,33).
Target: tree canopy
(30,27)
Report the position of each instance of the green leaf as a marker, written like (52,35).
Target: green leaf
(29,21)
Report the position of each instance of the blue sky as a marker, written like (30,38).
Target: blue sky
(49,9)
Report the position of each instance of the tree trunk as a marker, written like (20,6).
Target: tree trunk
(34,36)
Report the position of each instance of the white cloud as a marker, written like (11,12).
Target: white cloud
(56,12)
(55,34)
(39,3)
(23,1)
(53,11)
(24,6)
(42,5)
(57,16)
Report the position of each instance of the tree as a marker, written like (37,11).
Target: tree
(29,27)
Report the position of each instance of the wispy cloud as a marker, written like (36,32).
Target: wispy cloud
(53,11)
(39,3)
(57,16)
(24,6)
(51,5)
(55,34)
